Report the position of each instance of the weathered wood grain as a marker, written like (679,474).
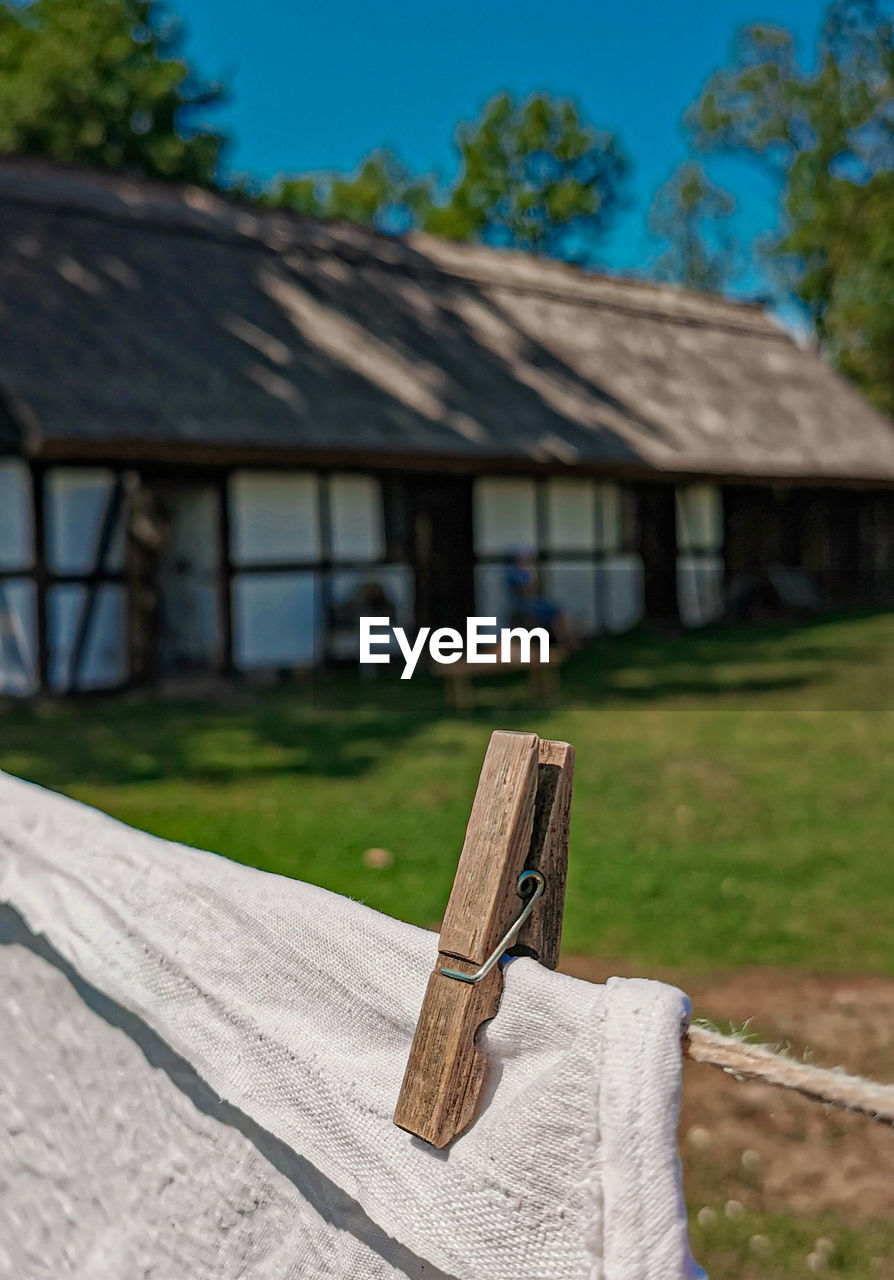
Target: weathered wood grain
(498,838)
(519,820)
(446,1071)
(541,935)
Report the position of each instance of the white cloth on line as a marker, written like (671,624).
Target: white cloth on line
(201,1061)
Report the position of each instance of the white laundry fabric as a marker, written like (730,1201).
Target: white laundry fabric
(201,1061)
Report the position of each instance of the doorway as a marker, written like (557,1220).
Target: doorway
(444,560)
(658,548)
(174,575)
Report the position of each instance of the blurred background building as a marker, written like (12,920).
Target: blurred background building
(227,431)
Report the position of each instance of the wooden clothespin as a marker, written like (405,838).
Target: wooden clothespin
(508,895)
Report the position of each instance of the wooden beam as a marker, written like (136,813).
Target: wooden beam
(217,454)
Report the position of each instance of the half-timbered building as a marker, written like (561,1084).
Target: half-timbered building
(221,428)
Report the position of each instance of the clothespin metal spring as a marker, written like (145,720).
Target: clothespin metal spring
(509,936)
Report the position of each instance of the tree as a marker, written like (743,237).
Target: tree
(829,136)
(689,212)
(102,82)
(848,279)
(382,192)
(532,176)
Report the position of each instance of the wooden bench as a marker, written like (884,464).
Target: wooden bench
(459,677)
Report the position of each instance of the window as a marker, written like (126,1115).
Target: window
(581,534)
(309,550)
(700,586)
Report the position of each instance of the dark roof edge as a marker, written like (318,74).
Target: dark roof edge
(148,220)
(222,457)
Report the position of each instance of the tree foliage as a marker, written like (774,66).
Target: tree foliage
(103,83)
(532,175)
(382,192)
(847,248)
(829,135)
(690,213)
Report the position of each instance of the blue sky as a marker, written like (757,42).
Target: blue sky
(317,85)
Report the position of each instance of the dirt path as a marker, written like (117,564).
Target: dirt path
(762,1146)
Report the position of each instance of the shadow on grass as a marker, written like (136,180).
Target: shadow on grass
(336,729)
(339,725)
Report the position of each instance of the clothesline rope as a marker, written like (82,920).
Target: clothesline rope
(757,1062)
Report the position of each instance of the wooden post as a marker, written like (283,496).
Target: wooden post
(519,821)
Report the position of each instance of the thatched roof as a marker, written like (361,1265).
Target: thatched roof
(138,320)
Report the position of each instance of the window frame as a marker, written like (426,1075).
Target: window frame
(326,565)
(599,558)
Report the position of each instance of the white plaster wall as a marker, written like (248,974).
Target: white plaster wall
(505,515)
(274,517)
(357,517)
(398,583)
(76,499)
(191,633)
(622,591)
(700,593)
(491,595)
(700,586)
(18,636)
(572,586)
(105,657)
(608,517)
(699,518)
(570,514)
(277,620)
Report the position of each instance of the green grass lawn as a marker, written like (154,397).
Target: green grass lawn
(733,795)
